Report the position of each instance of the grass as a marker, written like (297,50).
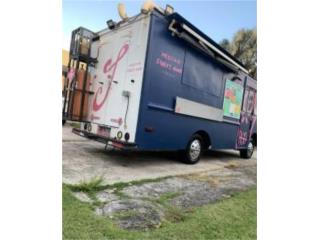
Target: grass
(213,181)
(167,196)
(232,164)
(172,214)
(75,124)
(94,185)
(232,218)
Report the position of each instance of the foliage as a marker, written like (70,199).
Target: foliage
(92,185)
(243,47)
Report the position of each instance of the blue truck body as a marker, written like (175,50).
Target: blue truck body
(202,80)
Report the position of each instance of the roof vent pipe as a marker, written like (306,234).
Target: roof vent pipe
(122,11)
(147,6)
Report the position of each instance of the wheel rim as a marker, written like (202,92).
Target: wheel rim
(195,149)
(250,148)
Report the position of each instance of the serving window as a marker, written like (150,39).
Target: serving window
(202,75)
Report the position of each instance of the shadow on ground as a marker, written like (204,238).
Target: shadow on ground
(165,156)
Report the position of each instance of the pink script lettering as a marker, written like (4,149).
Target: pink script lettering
(109,69)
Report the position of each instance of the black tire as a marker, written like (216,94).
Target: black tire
(255,140)
(63,121)
(247,153)
(193,151)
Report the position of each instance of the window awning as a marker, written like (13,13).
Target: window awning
(181,27)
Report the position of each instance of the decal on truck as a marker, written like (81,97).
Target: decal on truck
(109,69)
(135,67)
(169,63)
(232,99)
(247,120)
(119,120)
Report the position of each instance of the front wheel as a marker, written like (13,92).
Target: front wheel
(193,150)
(247,153)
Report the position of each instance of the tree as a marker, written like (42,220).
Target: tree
(225,44)
(244,48)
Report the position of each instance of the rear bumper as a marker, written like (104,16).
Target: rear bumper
(106,140)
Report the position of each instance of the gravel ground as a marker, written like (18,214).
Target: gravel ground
(133,214)
(84,159)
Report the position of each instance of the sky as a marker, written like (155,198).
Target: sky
(218,19)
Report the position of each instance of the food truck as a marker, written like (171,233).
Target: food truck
(154,81)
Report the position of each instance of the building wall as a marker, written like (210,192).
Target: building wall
(65,57)
(65,60)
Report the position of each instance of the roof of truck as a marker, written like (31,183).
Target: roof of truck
(181,19)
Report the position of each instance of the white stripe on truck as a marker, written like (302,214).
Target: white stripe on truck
(195,109)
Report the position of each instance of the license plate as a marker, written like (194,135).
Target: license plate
(103,131)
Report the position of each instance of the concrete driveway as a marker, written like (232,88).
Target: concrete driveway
(84,159)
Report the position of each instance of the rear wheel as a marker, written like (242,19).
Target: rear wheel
(193,150)
(247,153)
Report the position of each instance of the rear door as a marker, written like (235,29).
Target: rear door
(108,79)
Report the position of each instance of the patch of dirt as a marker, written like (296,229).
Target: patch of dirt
(197,189)
(197,198)
(133,214)
(232,164)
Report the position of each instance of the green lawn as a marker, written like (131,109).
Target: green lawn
(233,218)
